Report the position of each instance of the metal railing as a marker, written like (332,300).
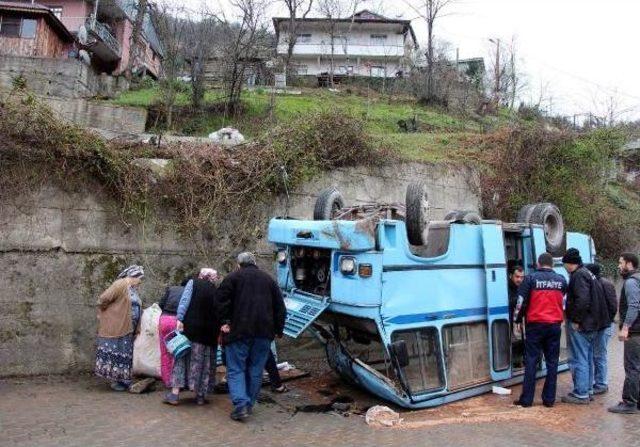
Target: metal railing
(103,33)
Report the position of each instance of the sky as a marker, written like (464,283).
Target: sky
(579,56)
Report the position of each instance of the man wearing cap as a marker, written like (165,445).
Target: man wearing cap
(253,306)
(587,315)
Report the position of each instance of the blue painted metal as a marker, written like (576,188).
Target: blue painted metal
(496,288)
(466,284)
(302,310)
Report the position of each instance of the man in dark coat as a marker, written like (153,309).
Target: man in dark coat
(587,314)
(630,333)
(254,308)
(600,380)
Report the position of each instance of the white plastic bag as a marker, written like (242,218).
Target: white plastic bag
(382,416)
(146,347)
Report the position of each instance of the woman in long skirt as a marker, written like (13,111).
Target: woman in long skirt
(118,319)
(198,319)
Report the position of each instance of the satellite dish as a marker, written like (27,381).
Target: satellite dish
(83,35)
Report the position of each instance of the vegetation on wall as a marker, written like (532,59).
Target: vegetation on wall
(530,163)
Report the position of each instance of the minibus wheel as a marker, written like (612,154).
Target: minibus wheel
(463,216)
(548,215)
(328,204)
(417,213)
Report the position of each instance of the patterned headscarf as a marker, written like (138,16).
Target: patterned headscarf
(208,274)
(133,271)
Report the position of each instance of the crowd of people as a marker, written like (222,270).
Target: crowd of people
(543,300)
(244,313)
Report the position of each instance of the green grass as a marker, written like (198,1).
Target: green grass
(436,140)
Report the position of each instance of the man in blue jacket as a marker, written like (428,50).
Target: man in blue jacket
(542,294)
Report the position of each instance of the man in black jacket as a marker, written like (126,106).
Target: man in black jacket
(600,380)
(587,314)
(253,305)
(630,333)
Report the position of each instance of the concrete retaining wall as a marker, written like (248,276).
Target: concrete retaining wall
(68,78)
(59,250)
(99,115)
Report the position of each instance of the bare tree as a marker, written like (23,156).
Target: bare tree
(333,11)
(294,7)
(171,31)
(137,50)
(430,11)
(244,40)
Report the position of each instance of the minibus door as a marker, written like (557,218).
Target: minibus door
(496,288)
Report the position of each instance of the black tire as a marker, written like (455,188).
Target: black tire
(417,212)
(328,203)
(524,215)
(548,215)
(469,217)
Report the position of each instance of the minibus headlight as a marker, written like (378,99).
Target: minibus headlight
(281,256)
(347,265)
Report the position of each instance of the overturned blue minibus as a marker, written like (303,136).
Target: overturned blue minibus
(412,310)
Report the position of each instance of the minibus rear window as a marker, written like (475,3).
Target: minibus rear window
(437,241)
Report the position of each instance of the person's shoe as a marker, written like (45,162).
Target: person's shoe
(591,398)
(521,404)
(572,399)
(548,404)
(600,390)
(240,414)
(117,386)
(280,390)
(171,399)
(200,400)
(624,408)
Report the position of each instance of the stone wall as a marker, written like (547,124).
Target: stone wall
(59,250)
(68,78)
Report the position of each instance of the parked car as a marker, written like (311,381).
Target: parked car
(414,311)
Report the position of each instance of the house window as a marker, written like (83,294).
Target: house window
(302,69)
(378,71)
(340,40)
(28,30)
(379,39)
(303,38)
(57,11)
(9,26)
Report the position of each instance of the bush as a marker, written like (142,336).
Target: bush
(529,163)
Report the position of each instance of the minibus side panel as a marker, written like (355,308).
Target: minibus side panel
(496,287)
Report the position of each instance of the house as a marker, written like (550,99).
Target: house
(104,29)
(32,30)
(365,44)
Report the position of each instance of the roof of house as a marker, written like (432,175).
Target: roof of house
(38,9)
(364,16)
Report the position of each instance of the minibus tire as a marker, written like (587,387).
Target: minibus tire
(469,217)
(524,215)
(417,213)
(329,201)
(548,215)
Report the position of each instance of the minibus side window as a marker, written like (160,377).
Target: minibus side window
(501,345)
(466,353)
(424,372)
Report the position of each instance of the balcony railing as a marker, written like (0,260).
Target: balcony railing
(97,29)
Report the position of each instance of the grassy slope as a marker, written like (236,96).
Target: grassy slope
(439,137)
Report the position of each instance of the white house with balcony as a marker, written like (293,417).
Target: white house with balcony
(365,44)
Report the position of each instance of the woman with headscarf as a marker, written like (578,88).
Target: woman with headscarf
(198,318)
(118,318)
